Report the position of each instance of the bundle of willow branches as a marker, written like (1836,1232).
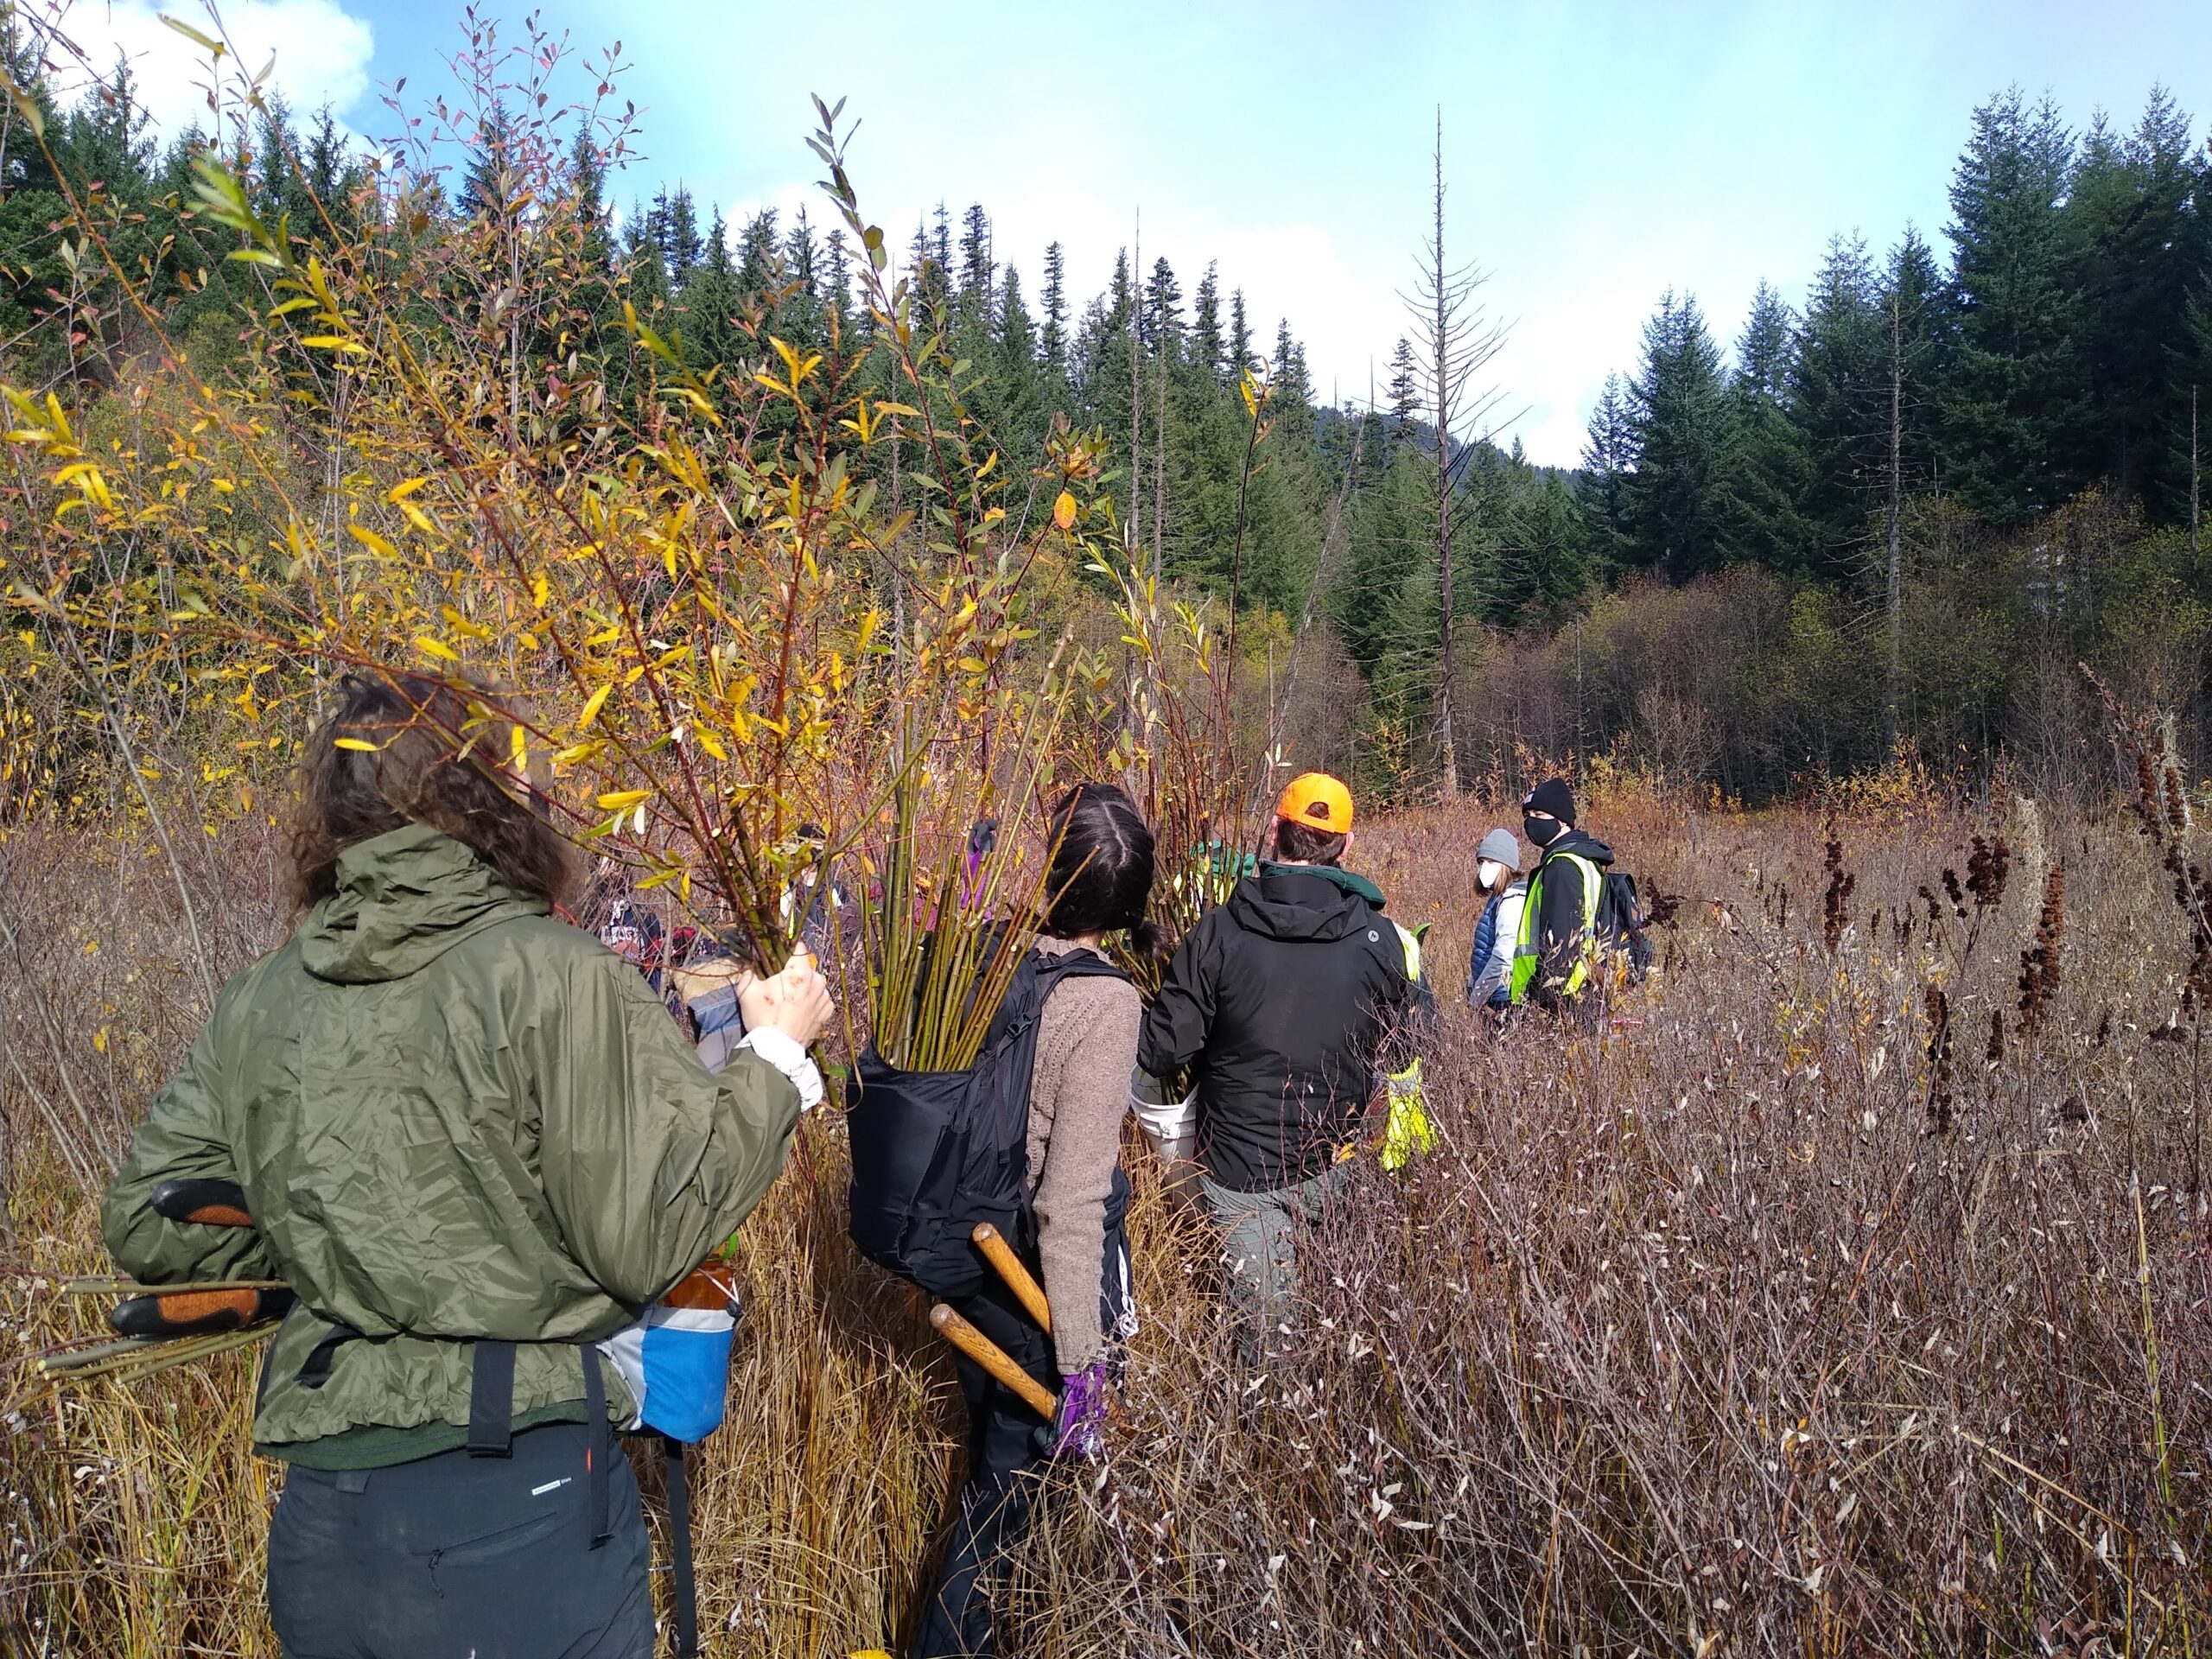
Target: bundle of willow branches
(961,893)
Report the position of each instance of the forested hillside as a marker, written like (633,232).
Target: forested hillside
(1901,514)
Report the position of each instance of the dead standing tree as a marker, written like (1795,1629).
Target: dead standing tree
(1457,340)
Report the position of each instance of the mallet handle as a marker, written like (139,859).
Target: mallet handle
(1000,1256)
(992,1359)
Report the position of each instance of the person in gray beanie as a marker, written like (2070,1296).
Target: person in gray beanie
(1497,865)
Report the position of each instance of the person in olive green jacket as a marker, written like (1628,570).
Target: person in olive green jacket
(474,1143)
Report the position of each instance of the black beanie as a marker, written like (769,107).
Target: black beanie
(1552,796)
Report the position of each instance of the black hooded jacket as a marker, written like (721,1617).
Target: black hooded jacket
(1558,932)
(1290,998)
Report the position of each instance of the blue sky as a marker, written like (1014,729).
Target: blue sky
(1596,153)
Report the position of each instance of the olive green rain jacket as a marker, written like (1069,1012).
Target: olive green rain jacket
(453,1117)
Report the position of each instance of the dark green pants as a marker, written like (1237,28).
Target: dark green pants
(456,1557)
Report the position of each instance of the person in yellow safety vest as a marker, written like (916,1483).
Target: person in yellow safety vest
(1287,1004)
(1556,950)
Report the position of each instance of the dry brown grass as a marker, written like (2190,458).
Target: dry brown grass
(1700,1334)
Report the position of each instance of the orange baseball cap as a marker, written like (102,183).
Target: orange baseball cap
(1318,801)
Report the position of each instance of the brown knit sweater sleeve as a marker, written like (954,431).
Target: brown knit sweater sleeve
(1086,1045)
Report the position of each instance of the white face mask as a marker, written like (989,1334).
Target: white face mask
(1489,872)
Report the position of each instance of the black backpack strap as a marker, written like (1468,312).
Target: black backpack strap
(491,1399)
(315,1370)
(600,1449)
(685,1587)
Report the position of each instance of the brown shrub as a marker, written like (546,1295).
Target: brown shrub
(1687,1339)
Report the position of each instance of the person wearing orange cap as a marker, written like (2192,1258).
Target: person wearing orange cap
(1288,1002)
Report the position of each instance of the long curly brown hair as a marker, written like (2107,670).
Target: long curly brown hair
(407,748)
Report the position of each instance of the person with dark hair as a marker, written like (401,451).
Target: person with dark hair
(1290,1002)
(474,1144)
(1099,882)
(1556,946)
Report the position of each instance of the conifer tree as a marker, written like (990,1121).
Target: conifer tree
(975,263)
(1053,341)
(643,275)
(759,261)
(1681,414)
(2142,217)
(1768,469)
(587,180)
(1609,457)
(1288,368)
(1206,342)
(1915,289)
(929,268)
(485,187)
(1162,324)
(676,231)
(941,242)
(1405,382)
(836,278)
(707,300)
(1839,397)
(1240,336)
(330,172)
(2017,402)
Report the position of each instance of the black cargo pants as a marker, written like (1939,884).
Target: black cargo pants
(462,1557)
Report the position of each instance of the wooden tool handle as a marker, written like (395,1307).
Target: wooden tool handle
(992,1359)
(1000,1256)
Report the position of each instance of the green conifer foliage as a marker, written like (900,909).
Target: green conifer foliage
(1680,409)
(2016,407)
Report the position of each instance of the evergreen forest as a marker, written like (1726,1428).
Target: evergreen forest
(1887,525)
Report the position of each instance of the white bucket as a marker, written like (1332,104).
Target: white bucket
(1171,1126)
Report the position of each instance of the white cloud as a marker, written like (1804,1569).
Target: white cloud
(321,53)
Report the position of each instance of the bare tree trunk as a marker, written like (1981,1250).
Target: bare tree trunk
(1442,344)
(1136,393)
(1159,471)
(1895,595)
(1457,340)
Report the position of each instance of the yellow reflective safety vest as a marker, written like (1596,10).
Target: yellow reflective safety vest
(1407,1132)
(1528,949)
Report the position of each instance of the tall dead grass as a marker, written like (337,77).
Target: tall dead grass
(1703,1332)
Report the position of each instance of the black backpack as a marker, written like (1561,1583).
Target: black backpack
(935,1153)
(1621,923)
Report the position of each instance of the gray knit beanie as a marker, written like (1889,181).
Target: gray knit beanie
(1500,846)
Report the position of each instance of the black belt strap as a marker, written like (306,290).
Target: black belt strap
(679,1538)
(599,1447)
(491,1401)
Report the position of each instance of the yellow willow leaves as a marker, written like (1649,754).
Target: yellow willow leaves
(463,625)
(593,704)
(1063,511)
(370,539)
